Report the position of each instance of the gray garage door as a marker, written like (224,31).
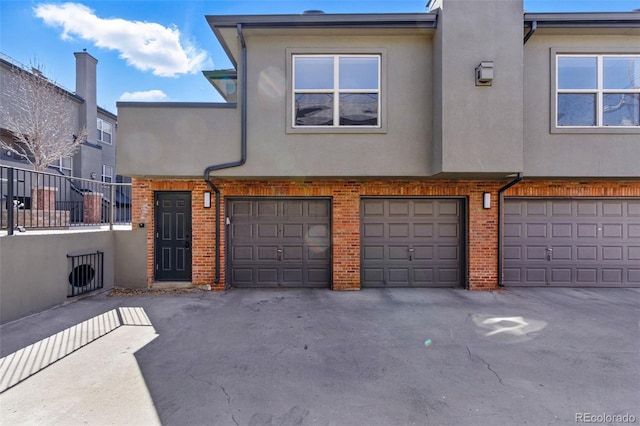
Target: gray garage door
(572,243)
(411,242)
(279,242)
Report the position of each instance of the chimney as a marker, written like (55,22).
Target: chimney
(86,88)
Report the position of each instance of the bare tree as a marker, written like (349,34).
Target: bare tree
(41,118)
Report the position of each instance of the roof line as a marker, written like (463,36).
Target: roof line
(584,20)
(381,20)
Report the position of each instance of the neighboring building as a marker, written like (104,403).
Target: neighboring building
(96,158)
(471,146)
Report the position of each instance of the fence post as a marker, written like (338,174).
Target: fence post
(112,206)
(10,217)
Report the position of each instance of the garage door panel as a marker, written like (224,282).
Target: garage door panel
(591,242)
(587,230)
(425,230)
(587,208)
(423,253)
(399,230)
(612,230)
(587,253)
(612,275)
(398,253)
(562,253)
(267,230)
(318,230)
(586,275)
(409,242)
(267,253)
(448,208)
(278,242)
(561,230)
(398,208)
(294,230)
(242,230)
(267,208)
(634,276)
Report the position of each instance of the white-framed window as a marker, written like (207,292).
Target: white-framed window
(336,91)
(105,130)
(107,173)
(597,91)
(65,165)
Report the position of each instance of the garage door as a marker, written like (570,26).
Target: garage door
(279,242)
(572,243)
(411,242)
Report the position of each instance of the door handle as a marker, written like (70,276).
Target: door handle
(187,244)
(548,250)
(410,254)
(279,255)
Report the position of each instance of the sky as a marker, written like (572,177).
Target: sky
(156,50)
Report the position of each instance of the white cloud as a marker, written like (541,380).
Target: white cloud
(144,45)
(148,96)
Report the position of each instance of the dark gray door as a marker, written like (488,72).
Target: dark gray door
(275,242)
(411,242)
(572,243)
(173,236)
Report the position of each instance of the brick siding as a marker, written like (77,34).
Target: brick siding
(481,224)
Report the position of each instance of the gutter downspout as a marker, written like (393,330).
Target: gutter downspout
(243,148)
(534,27)
(500,223)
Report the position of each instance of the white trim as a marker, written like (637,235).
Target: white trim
(599,91)
(336,91)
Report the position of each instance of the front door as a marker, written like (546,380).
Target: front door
(173,236)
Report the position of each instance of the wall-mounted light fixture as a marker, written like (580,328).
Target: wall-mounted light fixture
(484,73)
(486,200)
(92,175)
(207,200)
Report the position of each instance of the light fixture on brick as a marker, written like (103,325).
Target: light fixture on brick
(486,200)
(207,200)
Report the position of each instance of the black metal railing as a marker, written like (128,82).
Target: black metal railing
(86,273)
(30,199)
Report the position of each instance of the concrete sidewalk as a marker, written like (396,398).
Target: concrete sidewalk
(375,357)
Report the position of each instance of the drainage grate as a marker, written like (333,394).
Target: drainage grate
(86,273)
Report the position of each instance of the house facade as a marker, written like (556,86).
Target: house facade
(470,146)
(96,158)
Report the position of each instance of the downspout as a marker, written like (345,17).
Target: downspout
(534,27)
(500,223)
(243,148)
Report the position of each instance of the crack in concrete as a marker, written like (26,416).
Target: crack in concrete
(485,363)
(229,404)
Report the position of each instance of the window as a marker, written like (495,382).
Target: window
(65,164)
(336,91)
(104,131)
(107,174)
(598,91)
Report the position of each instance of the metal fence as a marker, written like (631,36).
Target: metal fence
(36,200)
(87,273)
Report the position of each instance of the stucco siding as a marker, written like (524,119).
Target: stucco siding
(612,154)
(175,141)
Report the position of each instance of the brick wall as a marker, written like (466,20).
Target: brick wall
(575,188)
(481,223)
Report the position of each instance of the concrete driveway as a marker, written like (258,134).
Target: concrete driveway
(298,357)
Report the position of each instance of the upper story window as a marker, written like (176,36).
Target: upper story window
(107,174)
(336,91)
(104,131)
(598,91)
(65,165)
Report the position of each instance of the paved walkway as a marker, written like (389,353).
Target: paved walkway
(375,357)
